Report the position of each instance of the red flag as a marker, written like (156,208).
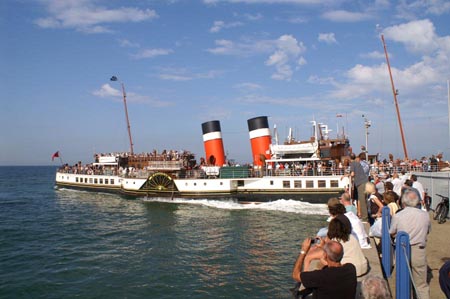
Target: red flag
(55,155)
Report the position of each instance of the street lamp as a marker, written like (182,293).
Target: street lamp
(114,78)
(367,124)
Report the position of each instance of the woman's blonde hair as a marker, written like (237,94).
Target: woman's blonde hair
(370,188)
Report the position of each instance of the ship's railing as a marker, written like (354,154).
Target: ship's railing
(165,165)
(99,172)
(231,173)
(408,168)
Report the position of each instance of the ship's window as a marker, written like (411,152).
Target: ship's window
(90,180)
(240,183)
(185,184)
(309,184)
(271,183)
(76,179)
(322,183)
(334,183)
(221,183)
(100,181)
(297,184)
(112,181)
(286,184)
(95,181)
(106,181)
(195,184)
(204,183)
(85,180)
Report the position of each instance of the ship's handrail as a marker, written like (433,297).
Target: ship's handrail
(175,167)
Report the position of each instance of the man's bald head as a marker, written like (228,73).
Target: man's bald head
(334,251)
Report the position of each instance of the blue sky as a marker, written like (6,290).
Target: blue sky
(187,62)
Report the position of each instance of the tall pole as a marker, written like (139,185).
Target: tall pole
(367,124)
(394,91)
(126,116)
(114,78)
(448,99)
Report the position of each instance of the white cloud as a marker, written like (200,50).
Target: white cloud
(301,61)
(254,17)
(242,48)
(248,86)
(151,53)
(268,1)
(285,50)
(219,25)
(345,16)
(182,74)
(128,44)
(418,36)
(298,20)
(412,9)
(321,80)
(328,38)
(85,16)
(107,91)
(174,77)
(375,55)
(288,49)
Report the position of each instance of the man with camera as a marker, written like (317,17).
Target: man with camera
(334,280)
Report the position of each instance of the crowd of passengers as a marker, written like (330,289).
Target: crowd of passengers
(330,266)
(165,155)
(433,163)
(385,167)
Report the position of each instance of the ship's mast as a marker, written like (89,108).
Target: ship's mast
(114,78)
(395,92)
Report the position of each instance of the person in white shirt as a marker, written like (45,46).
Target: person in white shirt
(398,184)
(419,187)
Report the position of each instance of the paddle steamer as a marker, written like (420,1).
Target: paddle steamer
(301,170)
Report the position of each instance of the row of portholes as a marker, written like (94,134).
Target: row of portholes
(204,184)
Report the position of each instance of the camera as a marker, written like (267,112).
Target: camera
(315,241)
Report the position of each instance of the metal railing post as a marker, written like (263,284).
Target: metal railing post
(402,261)
(386,247)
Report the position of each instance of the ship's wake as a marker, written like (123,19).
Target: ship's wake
(282,205)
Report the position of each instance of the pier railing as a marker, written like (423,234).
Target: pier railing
(403,272)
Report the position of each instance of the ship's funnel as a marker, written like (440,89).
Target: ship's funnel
(212,139)
(260,139)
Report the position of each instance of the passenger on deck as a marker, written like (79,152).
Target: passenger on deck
(340,232)
(416,223)
(359,181)
(334,280)
(374,202)
(391,199)
(357,229)
(347,202)
(375,287)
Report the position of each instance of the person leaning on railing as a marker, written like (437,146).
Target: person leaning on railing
(416,223)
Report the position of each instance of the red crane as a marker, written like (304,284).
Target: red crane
(395,92)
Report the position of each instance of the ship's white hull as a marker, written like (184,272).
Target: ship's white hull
(308,188)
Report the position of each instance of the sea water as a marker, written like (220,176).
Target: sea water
(64,243)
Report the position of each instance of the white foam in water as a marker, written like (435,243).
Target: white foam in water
(283,205)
